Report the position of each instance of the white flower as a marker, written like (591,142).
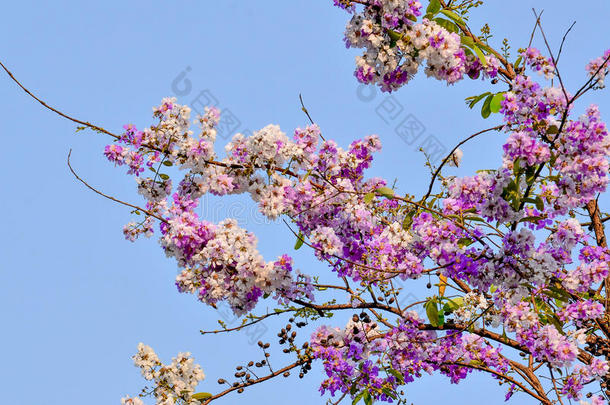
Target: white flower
(456,158)
(131,401)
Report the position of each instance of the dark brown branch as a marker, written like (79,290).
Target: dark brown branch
(255,381)
(507,378)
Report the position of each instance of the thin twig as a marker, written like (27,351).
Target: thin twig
(110,197)
(564,40)
(451,154)
(252,382)
(306,111)
(85,123)
(534,30)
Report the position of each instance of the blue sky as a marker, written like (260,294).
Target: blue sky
(75,297)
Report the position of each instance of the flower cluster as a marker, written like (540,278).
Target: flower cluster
(535,60)
(598,68)
(219,261)
(360,357)
(369,234)
(473,303)
(507,238)
(174,383)
(592,269)
(396,45)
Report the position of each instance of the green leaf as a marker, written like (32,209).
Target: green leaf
(477,219)
(394,36)
(389,393)
(408,221)
(453,304)
(357,398)
(467,51)
(486,109)
(552,319)
(517,62)
(480,55)
(396,375)
(531,219)
(530,174)
(496,103)
(78,129)
(368,197)
(202,396)
(462,242)
(434,7)
(167,163)
(517,167)
(164,176)
(441,318)
(467,41)
(448,25)
(385,191)
(475,99)
(432,313)
(484,47)
(353,388)
(368,400)
(453,16)
(560,293)
(299,242)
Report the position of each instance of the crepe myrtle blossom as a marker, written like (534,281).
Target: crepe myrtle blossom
(516,269)
(533,58)
(359,356)
(131,401)
(173,383)
(396,45)
(456,158)
(361,233)
(598,68)
(323,190)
